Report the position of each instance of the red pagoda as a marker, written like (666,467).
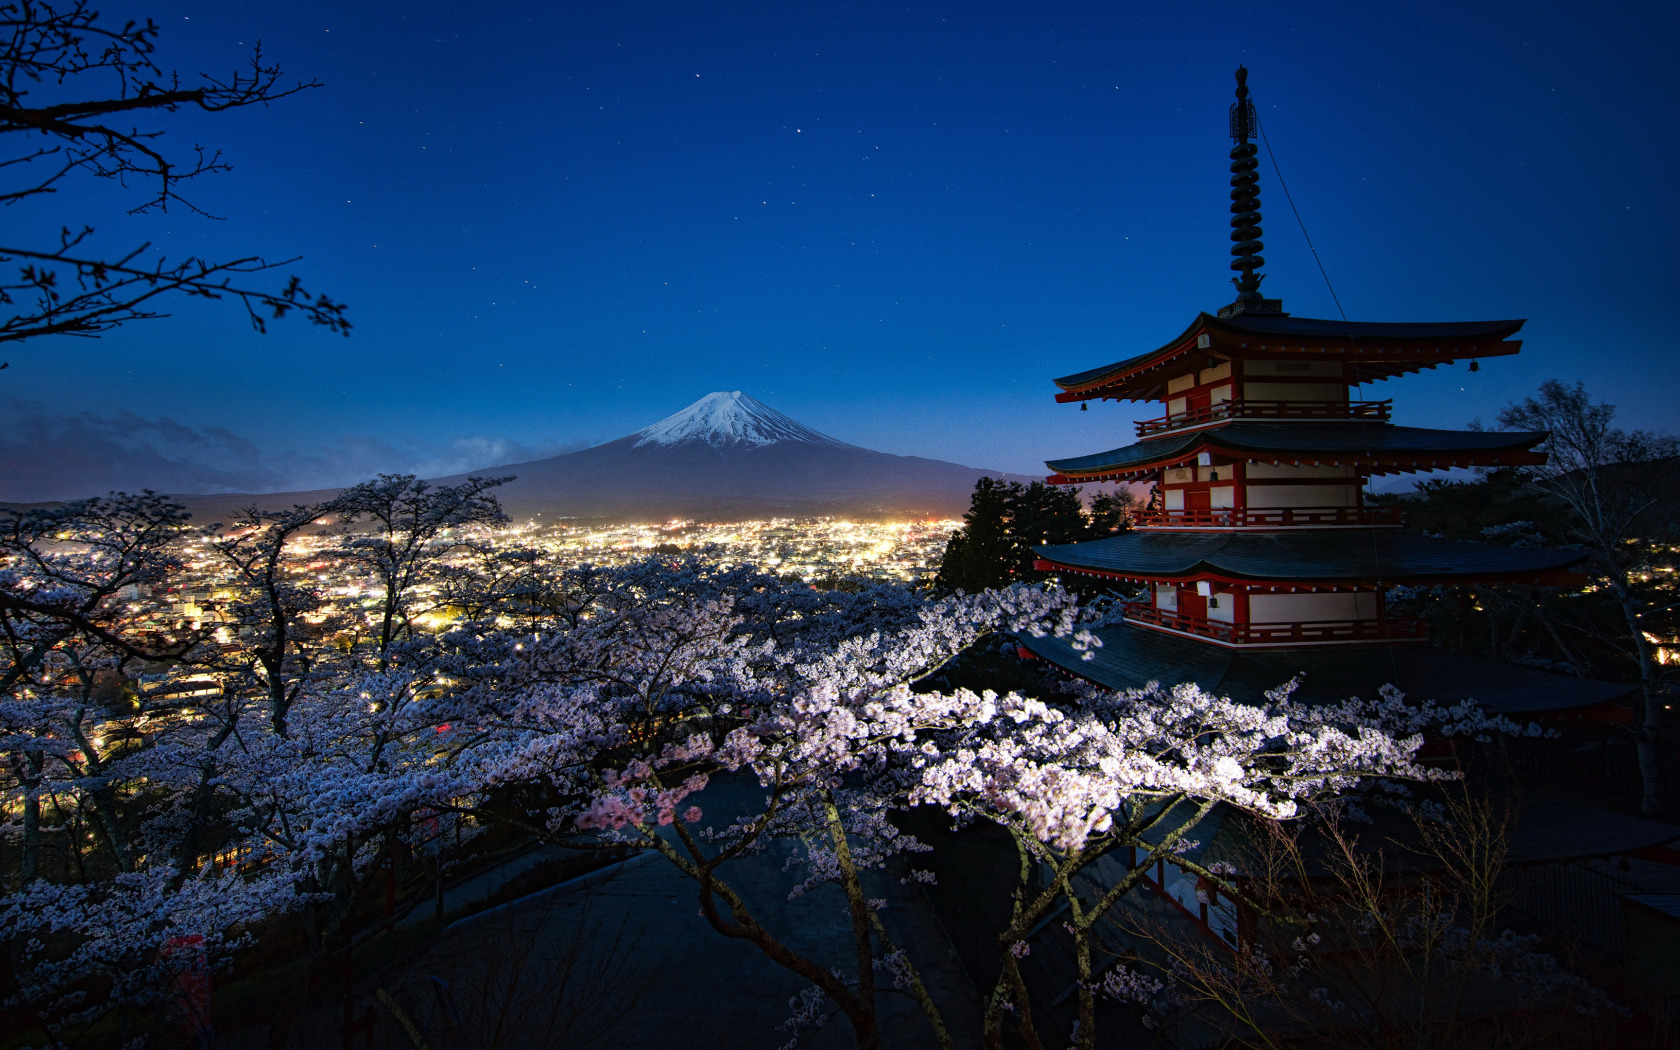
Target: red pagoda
(1257,554)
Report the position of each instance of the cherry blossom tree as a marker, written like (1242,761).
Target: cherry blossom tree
(587,705)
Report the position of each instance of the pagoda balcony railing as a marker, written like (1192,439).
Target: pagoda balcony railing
(1251,408)
(1267,517)
(1394,628)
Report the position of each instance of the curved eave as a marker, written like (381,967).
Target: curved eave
(1373,350)
(1540,578)
(1301,559)
(1379,450)
(1132,656)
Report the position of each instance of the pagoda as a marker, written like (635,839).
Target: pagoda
(1258,557)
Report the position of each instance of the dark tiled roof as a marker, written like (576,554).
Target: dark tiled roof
(1369,440)
(1550,827)
(1297,555)
(1665,904)
(1134,656)
(1316,329)
(1553,826)
(1092,374)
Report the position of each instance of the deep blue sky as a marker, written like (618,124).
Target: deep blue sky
(556,223)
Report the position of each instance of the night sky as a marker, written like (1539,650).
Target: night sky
(556,223)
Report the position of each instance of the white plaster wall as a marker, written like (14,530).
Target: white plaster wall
(1181,383)
(1303,608)
(1166,596)
(1285,470)
(1174,498)
(1273,496)
(1293,391)
(1227,611)
(1222,497)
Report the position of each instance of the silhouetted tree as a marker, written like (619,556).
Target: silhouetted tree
(979,555)
(1111,512)
(1006,520)
(1040,514)
(408,527)
(99,76)
(1616,489)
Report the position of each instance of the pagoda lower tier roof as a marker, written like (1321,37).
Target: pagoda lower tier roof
(1308,556)
(1131,657)
(1380,447)
(1372,350)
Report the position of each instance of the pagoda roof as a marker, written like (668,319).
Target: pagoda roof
(1373,350)
(1382,448)
(1302,556)
(1551,825)
(1131,657)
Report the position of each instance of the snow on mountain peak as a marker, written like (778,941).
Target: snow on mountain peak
(728,419)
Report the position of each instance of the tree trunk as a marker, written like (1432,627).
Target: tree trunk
(29,868)
(868,1035)
(1645,735)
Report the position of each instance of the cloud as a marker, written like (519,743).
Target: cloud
(47,455)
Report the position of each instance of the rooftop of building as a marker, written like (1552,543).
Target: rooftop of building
(1295,556)
(1381,448)
(1131,657)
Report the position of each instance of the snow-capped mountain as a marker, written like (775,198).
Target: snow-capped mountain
(727,457)
(730,418)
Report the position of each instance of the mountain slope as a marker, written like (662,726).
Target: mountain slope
(727,457)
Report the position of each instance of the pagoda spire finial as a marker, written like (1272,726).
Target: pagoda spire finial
(1246,245)
(1245,195)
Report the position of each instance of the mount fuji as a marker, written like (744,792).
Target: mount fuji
(730,420)
(730,456)
(727,457)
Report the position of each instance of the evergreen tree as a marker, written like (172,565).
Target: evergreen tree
(1040,514)
(1111,512)
(1006,520)
(978,555)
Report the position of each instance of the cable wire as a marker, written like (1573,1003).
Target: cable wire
(1286,196)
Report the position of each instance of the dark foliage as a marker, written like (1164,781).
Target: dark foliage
(1006,520)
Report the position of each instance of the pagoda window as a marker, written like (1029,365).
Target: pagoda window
(1221,394)
(1174,499)
(1181,384)
(1222,497)
(1214,374)
(1166,596)
(1222,607)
